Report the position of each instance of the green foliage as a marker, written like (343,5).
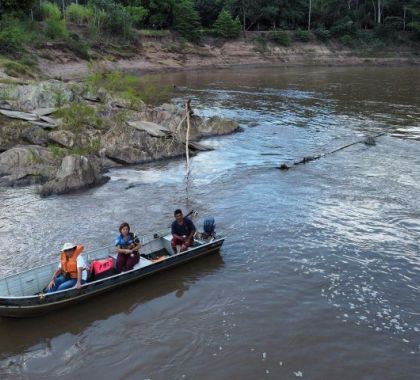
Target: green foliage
(322,34)
(347,40)
(150,93)
(50,11)
(303,35)
(56,29)
(343,27)
(111,18)
(17,69)
(14,33)
(260,44)
(187,20)
(79,48)
(227,27)
(78,14)
(280,37)
(138,15)
(78,116)
(56,151)
(16,5)
(92,148)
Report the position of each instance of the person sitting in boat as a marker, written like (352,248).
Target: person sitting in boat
(183,231)
(71,269)
(127,246)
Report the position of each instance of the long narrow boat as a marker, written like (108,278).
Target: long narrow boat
(22,295)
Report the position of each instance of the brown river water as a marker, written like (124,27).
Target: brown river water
(319,277)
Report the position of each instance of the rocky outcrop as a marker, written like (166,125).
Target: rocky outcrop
(129,145)
(23,165)
(75,173)
(48,94)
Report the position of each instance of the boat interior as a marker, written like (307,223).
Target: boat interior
(34,281)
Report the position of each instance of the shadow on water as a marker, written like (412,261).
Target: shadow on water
(25,333)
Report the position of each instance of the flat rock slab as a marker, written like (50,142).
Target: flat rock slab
(44,111)
(19,115)
(152,129)
(199,147)
(44,125)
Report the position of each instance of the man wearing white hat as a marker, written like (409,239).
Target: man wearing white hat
(71,270)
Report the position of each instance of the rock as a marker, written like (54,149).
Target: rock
(19,115)
(35,135)
(152,129)
(11,133)
(284,167)
(217,126)
(62,137)
(252,124)
(47,94)
(75,173)
(28,164)
(370,141)
(44,111)
(127,145)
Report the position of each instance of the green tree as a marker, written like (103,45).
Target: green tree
(16,5)
(209,11)
(227,27)
(187,20)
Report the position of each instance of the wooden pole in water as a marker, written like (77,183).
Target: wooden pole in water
(187,135)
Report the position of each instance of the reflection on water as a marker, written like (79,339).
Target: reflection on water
(320,270)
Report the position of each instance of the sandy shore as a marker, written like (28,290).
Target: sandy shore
(163,55)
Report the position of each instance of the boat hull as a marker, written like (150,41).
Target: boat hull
(22,307)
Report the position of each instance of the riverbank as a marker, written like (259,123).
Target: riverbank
(148,53)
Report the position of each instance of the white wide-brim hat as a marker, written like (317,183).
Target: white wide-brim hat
(68,246)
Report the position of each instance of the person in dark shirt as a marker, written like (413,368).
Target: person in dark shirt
(183,231)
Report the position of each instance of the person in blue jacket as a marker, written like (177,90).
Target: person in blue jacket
(127,246)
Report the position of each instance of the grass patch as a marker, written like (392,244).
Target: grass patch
(154,33)
(78,116)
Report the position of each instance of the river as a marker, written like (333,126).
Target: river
(319,276)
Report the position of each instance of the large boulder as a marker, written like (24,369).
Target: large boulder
(62,137)
(217,126)
(23,165)
(129,145)
(75,173)
(48,94)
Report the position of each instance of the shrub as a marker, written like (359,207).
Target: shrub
(79,48)
(13,35)
(79,14)
(343,27)
(56,29)
(303,35)
(16,69)
(50,11)
(227,27)
(78,116)
(280,37)
(347,40)
(110,17)
(138,15)
(261,44)
(322,34)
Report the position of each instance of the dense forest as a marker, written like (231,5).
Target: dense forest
(24,22)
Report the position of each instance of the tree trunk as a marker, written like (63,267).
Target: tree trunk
(405,13)
(374,12)
(310,14)
(379,12)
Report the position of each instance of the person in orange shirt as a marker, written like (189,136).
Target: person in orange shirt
(71,270)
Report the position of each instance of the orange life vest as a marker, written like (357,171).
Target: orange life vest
(69,264)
